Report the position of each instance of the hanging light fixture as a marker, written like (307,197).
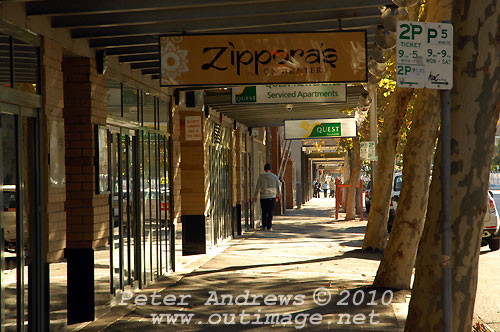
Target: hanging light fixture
(360,115)
(376,68)
(391,15)
(372,79)
(385,38)
(364,101)
(380,54)
(405,3)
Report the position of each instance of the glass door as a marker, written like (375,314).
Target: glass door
(19,231)
(123,209)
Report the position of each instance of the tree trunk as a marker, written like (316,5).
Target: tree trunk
(475,104)
(399,256)
(353,180)
(396,267)
(376,229)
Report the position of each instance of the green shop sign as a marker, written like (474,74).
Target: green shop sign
(319,128)
(326,130)
(290,94)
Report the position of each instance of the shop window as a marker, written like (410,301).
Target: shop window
(149,111)
(19,64)
(26,66)
(163,109)
(5,70)
(130,101)
(114,98)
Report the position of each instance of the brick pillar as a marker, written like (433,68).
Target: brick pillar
(87,213)
(195,182)
(289,184)
(276,152)
(53,123)
(175,168)
(275,164)
(84,107)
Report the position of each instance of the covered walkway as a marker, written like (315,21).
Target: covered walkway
(307,256)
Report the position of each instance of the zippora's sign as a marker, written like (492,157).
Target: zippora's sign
(263,58)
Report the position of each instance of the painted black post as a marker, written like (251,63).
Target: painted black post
(81,292)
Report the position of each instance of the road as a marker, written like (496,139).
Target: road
(487,305)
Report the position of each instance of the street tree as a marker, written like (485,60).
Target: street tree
(475,106)
(397,264)
(389,137)
(353,180)
(376,234)
(395,269)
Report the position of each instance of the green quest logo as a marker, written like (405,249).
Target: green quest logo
(326,129)
(247,95)
(223,58)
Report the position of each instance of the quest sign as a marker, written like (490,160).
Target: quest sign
(320,128)
(290,93)
(237,59)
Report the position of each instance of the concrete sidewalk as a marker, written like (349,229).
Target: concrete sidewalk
(309,274)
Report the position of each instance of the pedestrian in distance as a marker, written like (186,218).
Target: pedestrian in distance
(268,186)
(325,189)
(332,187)
(314,187)
(317,189)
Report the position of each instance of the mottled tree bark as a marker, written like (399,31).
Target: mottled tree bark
(376,229)
(397,264)
(475,104)
(399,256)
(353,180)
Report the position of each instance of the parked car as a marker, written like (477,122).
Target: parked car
(491,228)
(397,180)
(9,217)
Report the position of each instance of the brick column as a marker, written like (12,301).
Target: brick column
(87,213)
(289,185)
(195,183)
(275,164)
(53,123)
(84,107)
(276,151)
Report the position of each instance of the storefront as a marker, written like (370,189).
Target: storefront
(140,222)
(22,249)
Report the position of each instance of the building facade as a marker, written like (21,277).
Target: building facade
(104,188)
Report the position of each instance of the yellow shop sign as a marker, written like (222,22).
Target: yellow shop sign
(263,58)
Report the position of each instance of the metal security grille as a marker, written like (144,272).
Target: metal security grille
(217,133)
(220,184)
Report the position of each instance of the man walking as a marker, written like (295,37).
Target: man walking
(332,187)
(268,186)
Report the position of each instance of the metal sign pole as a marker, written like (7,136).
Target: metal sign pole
(445,194)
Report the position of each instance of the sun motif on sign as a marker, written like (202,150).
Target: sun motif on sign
(173,61)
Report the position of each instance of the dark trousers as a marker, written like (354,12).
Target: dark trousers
(267,205)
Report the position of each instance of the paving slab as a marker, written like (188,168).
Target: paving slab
(308,274)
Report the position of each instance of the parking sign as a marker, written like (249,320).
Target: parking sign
(424,55)
(439,56)
(410,64)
